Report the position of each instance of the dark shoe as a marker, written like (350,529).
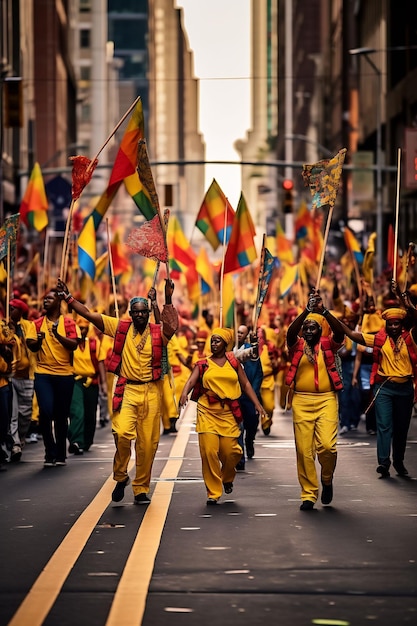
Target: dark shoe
(61,463)
(307,505)
(119,490)
(228,487)
(16,454)
(240,466)
(173,428)
(211,501)
(327,493)
(74,448)
(266,431)
(142,498)
(383,470)
(399,468)
(49,464)
(166,431)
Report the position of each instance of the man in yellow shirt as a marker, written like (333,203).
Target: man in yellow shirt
(393,379)
(137,399)
(315,382)
(54,340)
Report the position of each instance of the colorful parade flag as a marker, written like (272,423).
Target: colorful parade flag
(8,236)
(211,216)
(124,168)
(205,270)
(323,179)
(34,206)
(87,248)
(288,279)
(179,247)
(266,267)
(228,299)
(368,260)
(352,244)
(120,261)
(149,240)
(284,246)
(303,224)
(241,250)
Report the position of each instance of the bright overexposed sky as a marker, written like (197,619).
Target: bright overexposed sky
(219,36)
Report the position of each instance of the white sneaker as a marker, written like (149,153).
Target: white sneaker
(33,438)
(343,430)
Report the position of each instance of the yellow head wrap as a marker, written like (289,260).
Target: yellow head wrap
(394,313)
(226,334)
(319,319)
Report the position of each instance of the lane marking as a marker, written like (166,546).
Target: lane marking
(41,597)
(129,601)
(46,588)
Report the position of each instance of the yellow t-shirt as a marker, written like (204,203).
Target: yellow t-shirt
(52,357)
(224,382)
(83,365)
(392,365)
(136,364)
(25,367)
(304,378)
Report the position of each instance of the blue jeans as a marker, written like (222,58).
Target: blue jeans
(393,408)
(54,395)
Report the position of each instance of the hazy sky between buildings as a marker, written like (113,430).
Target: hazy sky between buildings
(219,35)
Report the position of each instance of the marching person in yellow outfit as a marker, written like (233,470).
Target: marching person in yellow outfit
(83,409)
(137,400)
(218,383)
(314,378)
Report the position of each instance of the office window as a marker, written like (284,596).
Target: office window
(85,72)
(85,38)
(86,113)
(85,6)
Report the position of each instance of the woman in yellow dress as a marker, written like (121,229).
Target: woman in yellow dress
(218,383)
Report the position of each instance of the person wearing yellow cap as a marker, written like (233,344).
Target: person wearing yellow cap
(393,381)
(315,381)
(217,383)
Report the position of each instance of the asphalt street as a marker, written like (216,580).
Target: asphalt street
(72,557)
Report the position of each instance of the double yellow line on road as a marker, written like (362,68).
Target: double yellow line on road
(130,597)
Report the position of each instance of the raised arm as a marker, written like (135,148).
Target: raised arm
(81,309)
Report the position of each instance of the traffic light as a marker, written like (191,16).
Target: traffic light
(13,102)
(288,187)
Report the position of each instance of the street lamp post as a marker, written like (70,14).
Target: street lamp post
(379,208)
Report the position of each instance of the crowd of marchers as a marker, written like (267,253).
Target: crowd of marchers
(337,366)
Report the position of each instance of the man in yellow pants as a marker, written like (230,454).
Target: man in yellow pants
(137,400)
(315,381)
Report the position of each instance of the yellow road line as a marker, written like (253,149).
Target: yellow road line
(130,598)
(45,590)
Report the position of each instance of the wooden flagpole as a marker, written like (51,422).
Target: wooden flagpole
(64,260)
(113,281)
(323,252)
(113,132)
(397,213)
(258,294)
(8,282)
